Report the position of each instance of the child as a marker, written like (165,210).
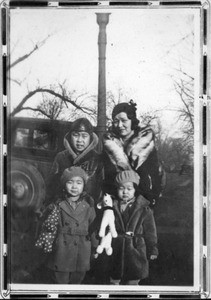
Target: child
(137,237)
(70,256)
(80,150)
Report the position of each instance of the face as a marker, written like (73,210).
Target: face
(126,191)
(75,187)
(80,140)
(122,124)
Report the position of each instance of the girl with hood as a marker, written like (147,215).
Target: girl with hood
(80,150)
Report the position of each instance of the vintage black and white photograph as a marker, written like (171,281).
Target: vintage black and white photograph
(104,172)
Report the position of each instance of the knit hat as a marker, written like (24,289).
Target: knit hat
(72,172)
(128,108)
(82,124)
(127,176)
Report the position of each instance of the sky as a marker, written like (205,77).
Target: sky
(142,51)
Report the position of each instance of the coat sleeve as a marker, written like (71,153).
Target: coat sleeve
(155,175)
(49,229)
(150,184)
(110,173)
(150,232)
(99,179)
(93,227)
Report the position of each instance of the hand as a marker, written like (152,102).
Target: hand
(95,255)
(153,257)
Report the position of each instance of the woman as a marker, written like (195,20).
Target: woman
(129,146)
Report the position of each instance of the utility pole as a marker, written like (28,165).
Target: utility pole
(102,21)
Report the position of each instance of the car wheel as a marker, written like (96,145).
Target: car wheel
(27,185)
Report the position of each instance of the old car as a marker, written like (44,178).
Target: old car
(33,144)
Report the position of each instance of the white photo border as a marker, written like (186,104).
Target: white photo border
(202,269)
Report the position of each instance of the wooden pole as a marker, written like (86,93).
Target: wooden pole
(102,20)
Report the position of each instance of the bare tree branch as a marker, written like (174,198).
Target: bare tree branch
(25,56)
(37,110)
(42,90)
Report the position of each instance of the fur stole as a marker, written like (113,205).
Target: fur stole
(115,152)
(140,147)
(132,155)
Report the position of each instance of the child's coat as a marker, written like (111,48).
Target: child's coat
(72,247)
(136,241)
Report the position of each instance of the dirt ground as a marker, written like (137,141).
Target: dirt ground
(174,219)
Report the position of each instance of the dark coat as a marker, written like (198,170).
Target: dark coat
(72,247)
(89,160)
(130,253)
(150,177)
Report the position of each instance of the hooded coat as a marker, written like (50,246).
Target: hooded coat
(138,153)
(75,236)
(89,160)
(136,241)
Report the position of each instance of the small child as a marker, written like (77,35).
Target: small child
(137,237)
(71,252)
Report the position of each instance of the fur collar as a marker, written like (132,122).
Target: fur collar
(140,201)
(76,157)
(132,154)
(140,146)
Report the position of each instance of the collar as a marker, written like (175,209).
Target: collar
(76,157)
(139,201)
(123,205)
(73,204)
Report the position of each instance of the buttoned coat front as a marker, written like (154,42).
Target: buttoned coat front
(72,247)
(136,241)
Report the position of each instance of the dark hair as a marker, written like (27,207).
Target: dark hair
(130,110)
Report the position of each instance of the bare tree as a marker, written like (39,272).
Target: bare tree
(184,87)
(183,84)
(49,108)
(53,110)
(54,98)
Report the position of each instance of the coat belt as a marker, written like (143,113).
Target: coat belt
(73,231)
(130,234)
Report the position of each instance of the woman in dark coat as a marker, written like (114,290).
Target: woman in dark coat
(128,146)
(137,237)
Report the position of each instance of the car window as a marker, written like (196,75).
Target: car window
(21,137)
(35,138)
(41,140)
